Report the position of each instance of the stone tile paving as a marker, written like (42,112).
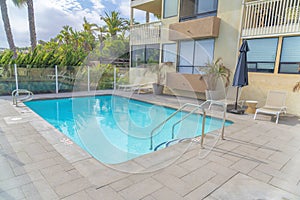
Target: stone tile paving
(257,160)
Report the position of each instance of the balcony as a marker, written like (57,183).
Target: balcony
(149,33)
(207,27)
(152,6)
(271,18)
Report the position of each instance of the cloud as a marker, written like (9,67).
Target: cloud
(50,17)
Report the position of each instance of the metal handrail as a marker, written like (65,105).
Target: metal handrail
(178,110)
(186,116)
(16,98)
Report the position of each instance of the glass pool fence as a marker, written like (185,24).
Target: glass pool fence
(58,79)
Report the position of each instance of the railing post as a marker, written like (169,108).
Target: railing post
(88,69)
(56,80)
(203,129)
(115,77)
(16,77)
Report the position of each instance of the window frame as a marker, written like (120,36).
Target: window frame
(280,63)
(178,66)
(164,13)
(144,48)
(163,52)
(195,14)
(268,71)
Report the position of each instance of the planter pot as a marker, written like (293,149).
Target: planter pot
(157,89)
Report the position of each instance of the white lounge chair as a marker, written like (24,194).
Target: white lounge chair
(275,104)
(137,87)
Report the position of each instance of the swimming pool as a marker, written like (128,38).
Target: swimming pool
(115,129)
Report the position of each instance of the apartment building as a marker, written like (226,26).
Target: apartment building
(191,33)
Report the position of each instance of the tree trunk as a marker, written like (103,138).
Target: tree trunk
(7,28)
(31,23)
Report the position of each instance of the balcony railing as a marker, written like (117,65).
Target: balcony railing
(271,17)
(149,33)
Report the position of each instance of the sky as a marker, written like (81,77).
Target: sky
(52,15)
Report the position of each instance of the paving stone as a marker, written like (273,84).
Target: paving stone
(141,189)
(103,193)
(215,167)
(245,166)
(14,194)
(286,185)
(202,191)
(149,197)
(105,176)
(39,189)
(260,176)
(6,171)
(79,196)
(220,160)
(176,170)
(40,164)
(72,187)
(166,193)
(174,183)
(235,189)
(14,182)
(121,184)
(198,177)
(193,163)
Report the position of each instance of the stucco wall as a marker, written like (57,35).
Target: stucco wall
(227,43)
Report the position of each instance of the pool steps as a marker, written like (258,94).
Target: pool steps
(168,143)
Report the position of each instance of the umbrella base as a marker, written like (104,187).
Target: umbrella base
(236,111)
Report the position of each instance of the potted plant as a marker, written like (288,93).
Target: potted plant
(214,72)
(158,70)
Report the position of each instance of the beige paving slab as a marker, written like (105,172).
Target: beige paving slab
(141,189)
(246,188)
(34,154)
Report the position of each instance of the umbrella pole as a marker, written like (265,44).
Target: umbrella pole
(236,98)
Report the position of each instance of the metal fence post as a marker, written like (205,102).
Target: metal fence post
(88,68)
(115,77)
(16,76)
(56,80)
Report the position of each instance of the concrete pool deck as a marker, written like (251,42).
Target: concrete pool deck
(257,160)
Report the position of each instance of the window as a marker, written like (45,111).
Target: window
(170,8)
(169,53)
(262,55)
(290,56)
(207,8)
(144,54)
(192,9)
(194,54)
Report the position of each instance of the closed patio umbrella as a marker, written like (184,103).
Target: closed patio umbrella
(240,78)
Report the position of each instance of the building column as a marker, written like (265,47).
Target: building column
(131,16)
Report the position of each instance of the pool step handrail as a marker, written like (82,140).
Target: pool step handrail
(172,115)
(186,116)
(16,98)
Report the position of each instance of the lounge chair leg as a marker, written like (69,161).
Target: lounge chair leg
(255,115)
(277,118)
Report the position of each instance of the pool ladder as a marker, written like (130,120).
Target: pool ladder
(27,96)
(196,108)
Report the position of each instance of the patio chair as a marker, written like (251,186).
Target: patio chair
(226,97)
(138,87)
(275,104)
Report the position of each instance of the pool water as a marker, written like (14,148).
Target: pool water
(115,129)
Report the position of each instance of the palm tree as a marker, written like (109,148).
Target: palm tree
(114,23)
(31,20)
(7,28)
